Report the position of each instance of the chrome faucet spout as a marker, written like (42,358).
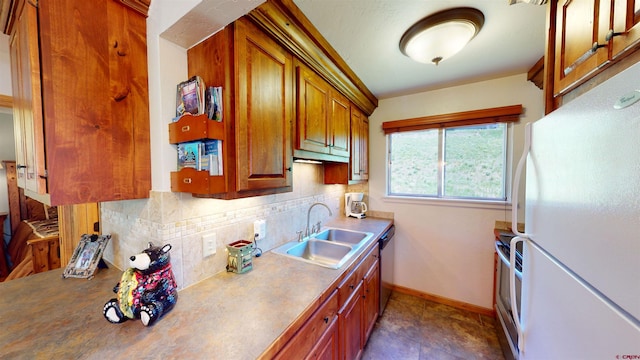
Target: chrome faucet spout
(307,233)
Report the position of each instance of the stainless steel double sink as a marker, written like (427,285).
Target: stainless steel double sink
(330,248)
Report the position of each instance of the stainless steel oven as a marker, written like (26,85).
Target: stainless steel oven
(507,332)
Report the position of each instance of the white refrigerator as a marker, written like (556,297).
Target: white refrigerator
(581,268)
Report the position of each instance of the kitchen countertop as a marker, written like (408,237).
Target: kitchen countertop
(226,316)
(504,231)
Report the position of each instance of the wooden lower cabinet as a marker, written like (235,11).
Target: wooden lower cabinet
(359,305)
(350,319)
(341,326)
(371,298)
(327,347)
(315,333)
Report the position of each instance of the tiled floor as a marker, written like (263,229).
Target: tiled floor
(418,329)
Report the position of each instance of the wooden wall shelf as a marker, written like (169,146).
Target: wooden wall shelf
(195,127)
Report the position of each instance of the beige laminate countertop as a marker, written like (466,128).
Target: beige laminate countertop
(226,316)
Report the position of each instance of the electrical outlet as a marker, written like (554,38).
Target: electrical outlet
(209,244)
(260,228)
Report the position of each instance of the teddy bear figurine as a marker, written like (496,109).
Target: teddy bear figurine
(146,291)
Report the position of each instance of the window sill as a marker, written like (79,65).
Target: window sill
(463,203)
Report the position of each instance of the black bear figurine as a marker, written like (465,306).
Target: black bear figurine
(146,291)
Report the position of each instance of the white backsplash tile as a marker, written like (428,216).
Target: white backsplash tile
(181,220)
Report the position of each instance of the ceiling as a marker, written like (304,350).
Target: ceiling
(366,34)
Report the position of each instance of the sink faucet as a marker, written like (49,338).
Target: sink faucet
(307,233)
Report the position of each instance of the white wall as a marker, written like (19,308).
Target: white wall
(446,249)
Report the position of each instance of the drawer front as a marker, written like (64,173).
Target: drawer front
(368,262)
(348,287)
(191,128)
(190,180)
(312,330)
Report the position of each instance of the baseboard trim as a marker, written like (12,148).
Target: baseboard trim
(446,301)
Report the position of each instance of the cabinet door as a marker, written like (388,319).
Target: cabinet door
(626,25)
(264,107)
(364,149)
(356,139)
(318,334)
(371,299)
(351,325)
(580,27)
(339,124)
(313,95)
(95,101)
(26,87)
(359,160)
(327,347)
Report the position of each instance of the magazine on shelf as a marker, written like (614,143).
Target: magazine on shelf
(213,103)
(213,153)
(190,97)
(189,155)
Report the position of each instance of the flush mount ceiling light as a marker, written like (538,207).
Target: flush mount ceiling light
(441,35)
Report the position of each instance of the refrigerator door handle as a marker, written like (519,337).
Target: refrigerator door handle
(512,291)
(516,180)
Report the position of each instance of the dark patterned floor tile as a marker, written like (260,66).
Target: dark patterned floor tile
(433,353)
(386,345)
(436,309)
(402,319)
(413,328)
(408,300)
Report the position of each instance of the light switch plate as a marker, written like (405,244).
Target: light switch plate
(209,244)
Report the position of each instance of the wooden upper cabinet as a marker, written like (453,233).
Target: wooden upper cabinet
(580,38)
(323,118)
(357,170)
(359,162)
(626,26)
(81,101)
(589,36)
(340,124)
(27,107)
(257,79)
(264,110)
(312,130)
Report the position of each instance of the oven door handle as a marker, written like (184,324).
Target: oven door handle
(512,289)
(504,259)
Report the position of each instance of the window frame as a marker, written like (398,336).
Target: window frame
(507,114)
(441,170)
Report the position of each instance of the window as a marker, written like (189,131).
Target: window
(453,156)
(462,162)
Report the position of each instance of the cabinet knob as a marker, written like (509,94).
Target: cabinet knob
(21,166)
(186,180)
(611,34)
(289,169)
(351,287)
(186,128)
(326,319)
